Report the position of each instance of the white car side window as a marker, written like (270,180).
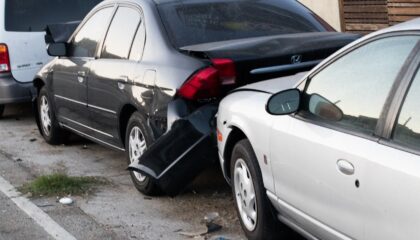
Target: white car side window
(407,130)
(351,92)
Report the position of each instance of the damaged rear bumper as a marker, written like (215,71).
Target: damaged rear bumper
(188,148)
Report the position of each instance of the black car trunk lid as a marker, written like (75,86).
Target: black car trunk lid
(262,58)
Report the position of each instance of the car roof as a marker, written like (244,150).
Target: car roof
(411,25)
(158,2)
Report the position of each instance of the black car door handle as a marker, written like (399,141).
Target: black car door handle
(81,74)
(147,95)
(123,79)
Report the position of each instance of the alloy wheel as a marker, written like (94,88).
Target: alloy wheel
(246,199)
(45,115)
(136,147)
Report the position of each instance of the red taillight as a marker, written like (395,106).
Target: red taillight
(4,59)
(227,70)
(206,83)
(203,85)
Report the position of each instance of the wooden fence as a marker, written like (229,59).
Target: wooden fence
(364,16)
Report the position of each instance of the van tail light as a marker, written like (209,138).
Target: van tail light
(206,83)
(4,59)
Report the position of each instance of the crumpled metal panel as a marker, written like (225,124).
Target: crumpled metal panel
(180,155)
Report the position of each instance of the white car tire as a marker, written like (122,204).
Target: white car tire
(255,215)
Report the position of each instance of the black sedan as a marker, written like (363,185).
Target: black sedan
(134,67)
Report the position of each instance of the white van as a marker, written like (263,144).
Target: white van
(22,45)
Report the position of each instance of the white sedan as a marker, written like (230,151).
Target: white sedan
(336,151)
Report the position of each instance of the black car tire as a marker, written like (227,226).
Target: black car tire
(147,187)
(266,225)
(55,135)
(1,110)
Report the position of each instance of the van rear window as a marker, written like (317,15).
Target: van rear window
(35,15)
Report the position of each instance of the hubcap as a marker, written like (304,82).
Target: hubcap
(137,146)
(45,115)
(246,199)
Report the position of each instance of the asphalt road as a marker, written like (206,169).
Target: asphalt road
(114,211)
(17,225)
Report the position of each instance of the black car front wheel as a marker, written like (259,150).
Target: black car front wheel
(252,204)
(50,129)
(138,138)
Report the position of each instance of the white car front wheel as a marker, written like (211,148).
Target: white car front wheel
(244,193)
(252,205)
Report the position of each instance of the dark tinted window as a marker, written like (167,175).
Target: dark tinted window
(121,33)
(195,22)
(407,131)
(35,15)
(352,91)
(138,44)
(85,42)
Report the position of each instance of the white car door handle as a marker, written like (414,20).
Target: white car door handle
(345,167)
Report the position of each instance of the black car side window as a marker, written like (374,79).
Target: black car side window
(120,35)
(407,129)
(351,92)
(137,49)
(86,41)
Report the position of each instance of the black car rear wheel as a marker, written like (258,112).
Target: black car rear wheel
(138,137)
(50,129)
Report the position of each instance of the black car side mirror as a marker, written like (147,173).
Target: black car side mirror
(57,49)
(283,103)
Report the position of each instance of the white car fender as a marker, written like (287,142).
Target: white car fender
(253,121)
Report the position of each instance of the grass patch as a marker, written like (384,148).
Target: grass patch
(60,184)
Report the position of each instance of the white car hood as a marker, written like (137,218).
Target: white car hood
(275,85)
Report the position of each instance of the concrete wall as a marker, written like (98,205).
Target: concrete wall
(329,10)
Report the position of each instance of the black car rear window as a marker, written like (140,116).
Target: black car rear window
(34,15)
(203,21)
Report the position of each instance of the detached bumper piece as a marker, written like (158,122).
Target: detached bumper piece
(180,155)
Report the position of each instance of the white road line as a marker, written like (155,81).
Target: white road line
(39,216)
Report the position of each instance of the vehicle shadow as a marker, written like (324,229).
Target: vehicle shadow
(18,111)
